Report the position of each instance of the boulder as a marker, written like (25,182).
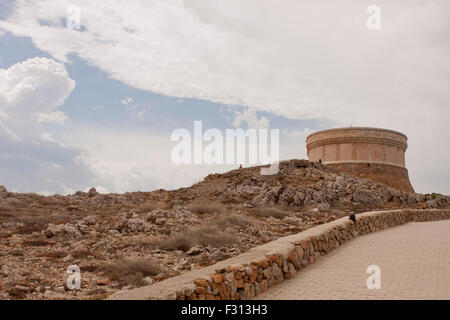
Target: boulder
(92,192)
(3,192)
(366,198)
(323,207)
(194,251)
(61,230)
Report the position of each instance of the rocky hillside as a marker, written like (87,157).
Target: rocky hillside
(134,239)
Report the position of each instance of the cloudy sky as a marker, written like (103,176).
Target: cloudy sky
(96,106)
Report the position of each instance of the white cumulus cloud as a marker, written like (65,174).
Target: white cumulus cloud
(249,116)
(30,91)
(297,59)
(31,158)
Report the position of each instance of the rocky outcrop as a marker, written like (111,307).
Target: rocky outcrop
(61,230)
(3,192)
(80,228)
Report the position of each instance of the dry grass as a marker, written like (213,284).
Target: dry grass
(12,203)
(149,206)
(57,254)
(202,236)
(88,268)
(81,254)
(17,253)
(4,235)
(179,241)
(38,219)
(5,214)
(42,200)
(210,236)
(207,207)
(38,243)
(36,222)
(17,293)
(130,271)
(32,223)
(232,220)
(101,295)
(150,242)
(233,200)
(96,291)
(269,212)
(28,229)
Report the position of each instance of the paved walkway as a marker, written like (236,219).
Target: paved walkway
(414,260)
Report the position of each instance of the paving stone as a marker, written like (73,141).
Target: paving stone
(414,260)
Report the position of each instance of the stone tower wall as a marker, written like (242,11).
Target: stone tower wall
(377,154)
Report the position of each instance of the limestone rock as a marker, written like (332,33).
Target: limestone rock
(323,207)
(3,192)
(194,251)
(61,230)
(92,192)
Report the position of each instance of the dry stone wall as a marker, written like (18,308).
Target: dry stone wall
(249,274)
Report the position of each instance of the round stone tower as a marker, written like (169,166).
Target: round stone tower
(376,154)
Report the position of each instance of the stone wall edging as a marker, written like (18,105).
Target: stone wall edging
(251,273)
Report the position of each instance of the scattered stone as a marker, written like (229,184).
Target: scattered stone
(3,192)
(148,280)
(92,192)
(61,230)
(103,282)
(194,251)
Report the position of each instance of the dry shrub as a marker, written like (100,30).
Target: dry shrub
(5,214)
(13,202)
(96,291)
(17,293)
(34,219)
(206,207)
(210,236)
(269,212)
(27,229)
(97,294)
(232,201)
(234,220)
(37,222)
(150,242)
(179,241)
(42,200)
(32,196)
(57,254)
(100,296)
(148,206)
(81,254)
(88,268)
(130,271)
(17,253)
(32,223)
(48,201)
(38,243)
(345,204)
(203,236)
(4,235)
